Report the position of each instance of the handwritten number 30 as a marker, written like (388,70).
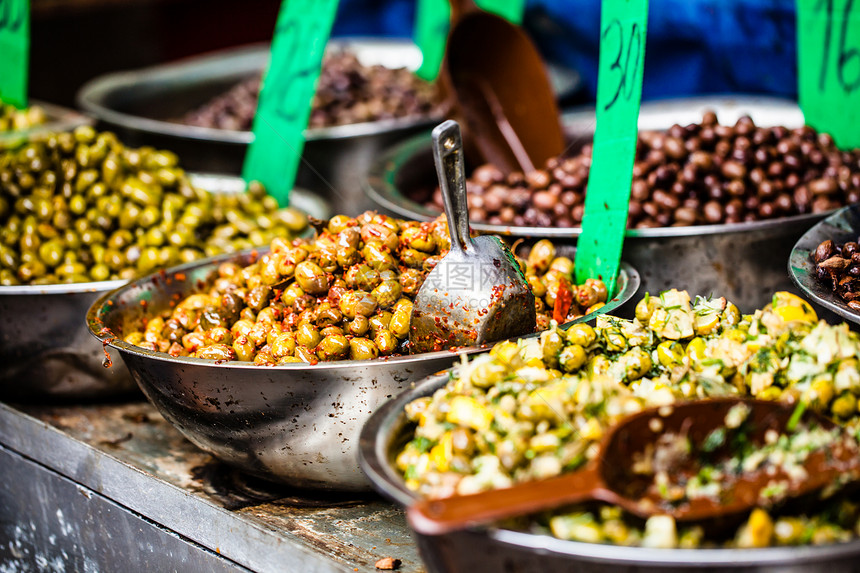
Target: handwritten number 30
(845,56)
(11,15)
(626,71)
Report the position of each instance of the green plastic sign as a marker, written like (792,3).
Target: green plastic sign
(828,68)
(619,92)
(298,46)
(432,20)
(14,51)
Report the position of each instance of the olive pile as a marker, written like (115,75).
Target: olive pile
(347,92)
(838,266)
(80,206)
(14,119)
(703,173)
(347,294)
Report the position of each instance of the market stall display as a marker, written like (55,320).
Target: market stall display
(292,413)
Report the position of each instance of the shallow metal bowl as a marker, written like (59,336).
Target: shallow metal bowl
(494,549)
(840,227)
(46,351)
(296,423)
(58,118)
(140,104)
(744,262)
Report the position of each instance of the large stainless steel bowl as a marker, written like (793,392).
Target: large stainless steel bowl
(139,104)
(745,262)
(46,351)
(494,549)
(296,423)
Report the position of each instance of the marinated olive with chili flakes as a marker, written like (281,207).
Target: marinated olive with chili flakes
(347,294)
(81,206)
(702,173)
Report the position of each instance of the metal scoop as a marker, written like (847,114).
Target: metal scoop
(500,86)
(612,477)
(477,292)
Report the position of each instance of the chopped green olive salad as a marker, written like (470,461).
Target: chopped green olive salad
(537,407)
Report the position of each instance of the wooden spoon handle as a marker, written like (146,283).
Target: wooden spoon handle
(439,516)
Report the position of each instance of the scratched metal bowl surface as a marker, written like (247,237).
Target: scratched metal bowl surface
(494,549)
(46,350)
(744,262)
(139,104)
(297,423)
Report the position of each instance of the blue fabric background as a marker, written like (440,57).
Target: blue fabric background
(693,47)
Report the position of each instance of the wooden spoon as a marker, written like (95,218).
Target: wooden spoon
(499,84)
(611,477)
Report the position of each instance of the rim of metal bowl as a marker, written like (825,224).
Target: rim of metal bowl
(381,187)
(627,285)
(840,227)
(306,201)
(94,95)
(381,432)
(58,119)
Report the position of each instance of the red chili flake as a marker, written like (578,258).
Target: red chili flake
(563,300)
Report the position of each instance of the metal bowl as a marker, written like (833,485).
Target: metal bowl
(494,549)
(46,351)
(139,104)
(58,119)
(841,227)
(744,262)
(296,423)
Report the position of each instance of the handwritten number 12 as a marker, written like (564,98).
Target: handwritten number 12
(845,56)
(11,15)
(626,71)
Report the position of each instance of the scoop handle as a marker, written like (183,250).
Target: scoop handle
(451,171)
(440,516)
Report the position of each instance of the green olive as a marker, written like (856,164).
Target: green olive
(387,293)
(333,347)
(311,278)
(362,349)
(541,255)
(307,335)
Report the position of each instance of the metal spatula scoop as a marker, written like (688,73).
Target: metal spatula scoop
(626,469)
(477,292)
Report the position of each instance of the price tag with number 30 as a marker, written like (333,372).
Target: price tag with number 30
(619,91)
(828,67)
(14,51)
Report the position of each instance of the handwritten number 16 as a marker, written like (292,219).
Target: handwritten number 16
(626,71)
(11,15)
(845,56)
